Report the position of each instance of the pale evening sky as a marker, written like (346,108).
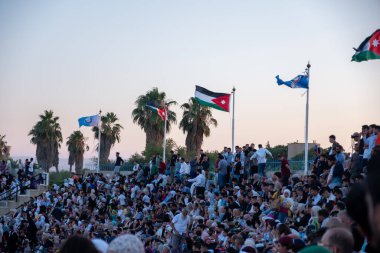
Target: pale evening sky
(75,57)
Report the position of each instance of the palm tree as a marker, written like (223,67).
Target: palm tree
(149,120)
(110,134)
(196,121)
(46,134)
(4,148)
(76,145)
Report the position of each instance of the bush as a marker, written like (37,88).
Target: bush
(58,177)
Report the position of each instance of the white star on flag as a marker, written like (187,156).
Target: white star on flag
(223,102)
(375,43)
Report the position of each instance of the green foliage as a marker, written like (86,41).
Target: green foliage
(196,122)
(110,134)
(153,149)
(47,136)
(278,150)
(149,120)
(58,177)
(311,155)
(136,157)
(212,155)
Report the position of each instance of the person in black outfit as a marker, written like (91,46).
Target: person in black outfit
(118,163)
(173,160)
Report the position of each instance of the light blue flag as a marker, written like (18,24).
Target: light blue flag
(300,81)
(89,121)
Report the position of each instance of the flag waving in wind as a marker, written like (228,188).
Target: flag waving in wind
(220,101)
(300,81)
(89,120)
(369,49)
(161,112)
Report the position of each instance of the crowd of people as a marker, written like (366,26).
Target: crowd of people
(178,207)
(12,181)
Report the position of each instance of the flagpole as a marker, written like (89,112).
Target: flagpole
(164,143)
(100,135)
(233,119)
(307,121)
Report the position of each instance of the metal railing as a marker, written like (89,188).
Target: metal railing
(14,192)
(272,165)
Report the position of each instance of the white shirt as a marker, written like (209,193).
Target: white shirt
(31,166)
(260,155)
(200,180)
(121,199)
(185,169)
(180,223)
(136,167)
(371,144)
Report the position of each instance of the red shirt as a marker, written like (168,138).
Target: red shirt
(285,172)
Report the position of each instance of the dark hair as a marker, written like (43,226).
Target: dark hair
(78,244)
(260,146)
(331,158)
(365,127)
(332,137)
(323,213)
(357,206)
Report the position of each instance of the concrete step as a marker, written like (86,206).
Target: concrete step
(13,204)
(4,210)
(23,198)
(3,203)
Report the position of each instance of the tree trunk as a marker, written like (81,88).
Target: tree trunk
(71,168)
(78,163)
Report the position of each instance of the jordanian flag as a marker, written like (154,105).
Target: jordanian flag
(161,112)
(369,49)
(220,101)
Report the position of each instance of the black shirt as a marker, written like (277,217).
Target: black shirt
(119,161)
(173,159)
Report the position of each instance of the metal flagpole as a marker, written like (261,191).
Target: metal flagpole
(164,143)
(100,135)
(233,119)
(307,122)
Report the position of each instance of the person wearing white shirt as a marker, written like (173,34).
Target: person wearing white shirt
(199,183)
(261,156)
(136,167)
(184,170)
(30,169)
(180,225)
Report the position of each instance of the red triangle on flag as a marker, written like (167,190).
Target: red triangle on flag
(162,113)
(223,102)
(374,43)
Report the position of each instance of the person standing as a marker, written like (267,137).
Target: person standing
(30,169)
(180,225)
(173,160)
(222,172)
(118,163)
(261,156)
(285,170)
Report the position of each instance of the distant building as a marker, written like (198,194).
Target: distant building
(295,149)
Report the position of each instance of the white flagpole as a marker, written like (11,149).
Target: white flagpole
(307,122)
(233,119)
(164,143)
(100,137)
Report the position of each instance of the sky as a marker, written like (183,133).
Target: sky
(76,57)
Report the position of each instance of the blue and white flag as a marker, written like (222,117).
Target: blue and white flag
(89,121)
(300,81)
